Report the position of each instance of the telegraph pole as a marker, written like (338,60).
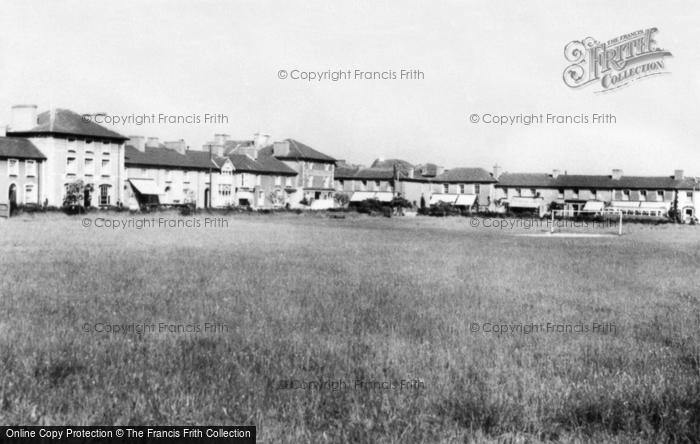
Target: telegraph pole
(211,182)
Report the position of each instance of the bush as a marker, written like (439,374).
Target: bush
(442,209)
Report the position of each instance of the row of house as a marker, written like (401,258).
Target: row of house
(42,153)
(475,188)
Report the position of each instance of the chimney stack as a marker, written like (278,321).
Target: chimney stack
(138,142)
(555,173)
(220,139)
(678,174)
(216,149)
(616,174)
(152,142)
(281,149)
(24,118)
(439,170)
(497,170)
(178,145)
(260,140)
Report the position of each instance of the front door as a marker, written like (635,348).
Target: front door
(12,197)
(206,198)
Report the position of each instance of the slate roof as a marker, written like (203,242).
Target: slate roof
(543,180)
(261,165)
(345,173)
(465,175)
(166,157)
(194,159)
(298,150)
(389,163)
(18,148)
(68,123)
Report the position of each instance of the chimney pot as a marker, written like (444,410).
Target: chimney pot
(616,174)
(678,174)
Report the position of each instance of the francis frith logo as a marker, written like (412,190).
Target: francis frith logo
(615,63)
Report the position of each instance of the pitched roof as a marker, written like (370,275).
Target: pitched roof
(389,163)
(298,150)
(544,180)
(271,165)
(465,175)
(525,180)
(68,123)
(15,147)
(261,165)
(166,157)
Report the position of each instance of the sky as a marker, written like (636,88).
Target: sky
(185,58)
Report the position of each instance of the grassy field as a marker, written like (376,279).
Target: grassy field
(309,298)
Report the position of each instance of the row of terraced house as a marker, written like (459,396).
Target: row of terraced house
(41,154)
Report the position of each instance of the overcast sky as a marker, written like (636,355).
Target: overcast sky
(183,57)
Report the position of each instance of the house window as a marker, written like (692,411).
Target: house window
(310,182)
(30,193)
(186,177)
(104,194)
(89,167)
(289,181)
(477,188)
(518,192)
(341,184)
(224,190)
(505,191)
(625,194)
(660,195)
(594,194)
(377,184)
(560,193)
(13,167)
(311,165)
(446,188)
(642,194)
(363,185)
(70,165)
(30,168)
(689,194)
(574,193)
(168,175)
(461,188)
(278,181)
(327,167)
(533,192)
(105,167)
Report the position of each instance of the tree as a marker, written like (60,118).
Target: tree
(342,199)
(74,200)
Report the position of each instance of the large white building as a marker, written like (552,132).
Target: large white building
(75,149)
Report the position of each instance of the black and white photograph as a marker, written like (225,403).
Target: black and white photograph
(363,221)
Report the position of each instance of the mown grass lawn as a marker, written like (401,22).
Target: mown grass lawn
(308,298)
